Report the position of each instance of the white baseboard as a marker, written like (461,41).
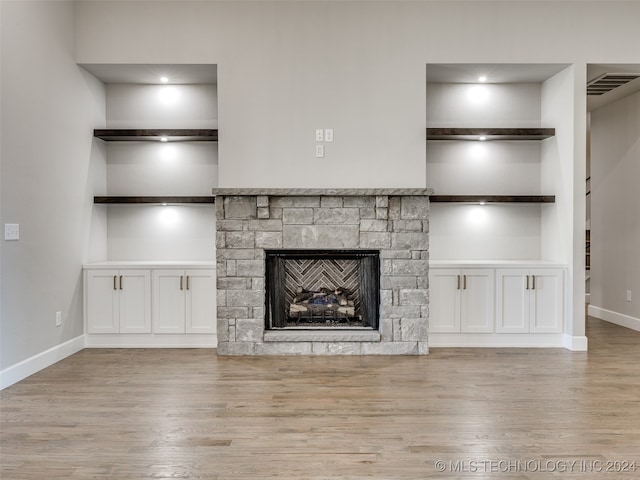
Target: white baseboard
(576,344)
(164,340)
(38,362)
(497,340)
(614,317)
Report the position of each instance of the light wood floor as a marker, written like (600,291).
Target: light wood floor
(130,414)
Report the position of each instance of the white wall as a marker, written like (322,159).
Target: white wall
(563,171)
(615,207)
(49,175)
(161,106)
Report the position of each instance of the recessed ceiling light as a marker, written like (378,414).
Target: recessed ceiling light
(164,79)
(164,139)
(482,139)
(482,79)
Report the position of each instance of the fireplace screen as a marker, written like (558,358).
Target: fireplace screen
(322,289)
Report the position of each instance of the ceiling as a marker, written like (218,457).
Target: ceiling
(532,73)
(178,74)
(436,73)
(495,72)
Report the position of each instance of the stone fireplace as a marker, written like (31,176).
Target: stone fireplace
(322,271)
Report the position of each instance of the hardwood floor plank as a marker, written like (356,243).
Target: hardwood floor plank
(186,413)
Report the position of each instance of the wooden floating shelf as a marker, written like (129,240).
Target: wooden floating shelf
(492,198)
(122,200)
(156,135)
(490,133)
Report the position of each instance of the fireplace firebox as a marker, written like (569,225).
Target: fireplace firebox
(322,289)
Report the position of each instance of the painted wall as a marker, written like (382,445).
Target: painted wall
(49,174)
(615,221)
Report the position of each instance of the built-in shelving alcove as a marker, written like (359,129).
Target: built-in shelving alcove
(497,152)
(159,152)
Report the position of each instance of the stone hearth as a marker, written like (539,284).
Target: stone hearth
(394,222)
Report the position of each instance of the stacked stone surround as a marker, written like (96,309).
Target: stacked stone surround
(393,221)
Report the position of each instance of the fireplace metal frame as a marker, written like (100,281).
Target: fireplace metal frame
(369,262)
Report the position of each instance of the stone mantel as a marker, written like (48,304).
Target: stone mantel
(393,221)
(305,192)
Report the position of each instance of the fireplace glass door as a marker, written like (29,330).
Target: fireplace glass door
(313,289)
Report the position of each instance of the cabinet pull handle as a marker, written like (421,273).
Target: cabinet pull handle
(115,287)
(458,287)
(533,277)
(120,282)
(464,287)
(181,283)
(187,282)
(527,282)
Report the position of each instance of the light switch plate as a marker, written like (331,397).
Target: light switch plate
(11,231)
(319,151)
(328,134)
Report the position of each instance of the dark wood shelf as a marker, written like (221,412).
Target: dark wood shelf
(122,200)
(154,135)
(492,198)
(490,133)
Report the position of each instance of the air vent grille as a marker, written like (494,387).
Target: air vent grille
(608,81)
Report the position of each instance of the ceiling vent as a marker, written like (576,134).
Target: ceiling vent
(608,81)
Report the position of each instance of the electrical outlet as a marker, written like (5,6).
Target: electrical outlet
(11,231)
(58,319)
(319,151)
(628,295)
(319,135)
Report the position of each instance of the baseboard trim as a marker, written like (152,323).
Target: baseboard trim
(497,340)
(133,340)
(576,344)
(38,362)
(614,317)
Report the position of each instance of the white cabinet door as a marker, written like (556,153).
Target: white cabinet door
(184,301)
(512,301)
(477,301)
(201,301)
(118,301)
(547,301)
(169,301)
(530,301)
(461,300)
(444,300)
(135,301)
(102,301)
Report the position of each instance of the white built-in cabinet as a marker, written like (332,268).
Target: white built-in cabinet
(499,304)
(184,301)
(461,300)
(159,304)
(118,301)
(529,300)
